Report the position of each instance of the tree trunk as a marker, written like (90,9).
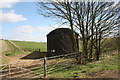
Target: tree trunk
(91,50)
(71,25)
(85,52)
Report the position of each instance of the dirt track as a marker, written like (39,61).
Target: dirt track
(109,74)
(4,47)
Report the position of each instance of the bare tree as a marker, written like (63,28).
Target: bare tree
(92,20)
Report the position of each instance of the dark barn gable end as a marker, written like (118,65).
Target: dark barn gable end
(59,41)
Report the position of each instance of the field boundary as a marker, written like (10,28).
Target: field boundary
(14,44)
(22,65)
(7,69)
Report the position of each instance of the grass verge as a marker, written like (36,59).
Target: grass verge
(69,70)
(15,53)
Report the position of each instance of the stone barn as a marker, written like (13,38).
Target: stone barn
(60,41)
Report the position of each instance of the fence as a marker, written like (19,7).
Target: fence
(108,54)
(19,69)
(41,67)
(27,69)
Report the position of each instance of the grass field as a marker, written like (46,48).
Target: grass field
(31,45)
(26,47)
(71,70)
(11,53)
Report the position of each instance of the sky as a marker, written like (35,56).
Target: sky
(19,20)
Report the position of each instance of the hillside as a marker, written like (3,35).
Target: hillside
(30,46)
(24,47)
(59,67)
(14,50)
(5,47)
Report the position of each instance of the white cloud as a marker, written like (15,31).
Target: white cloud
(24,37)
(30,33)
(25,29)
(39,37)
(11,16)
(7,3)
(29,29)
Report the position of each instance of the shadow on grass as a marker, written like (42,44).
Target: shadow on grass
(35,55)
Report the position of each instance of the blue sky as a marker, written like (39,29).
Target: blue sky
(21,21)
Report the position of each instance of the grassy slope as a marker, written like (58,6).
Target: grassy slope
(31,45)
(28,46)
(75,70)
(5,47)
(43,46)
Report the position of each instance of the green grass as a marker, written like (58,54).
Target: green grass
(31,45)
(26,46)
(15,53)
(73,70)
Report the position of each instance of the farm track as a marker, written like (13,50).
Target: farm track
(6,47)
(104,74)
(110,74)
(19,70)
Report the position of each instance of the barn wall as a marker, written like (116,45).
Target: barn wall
(60,40)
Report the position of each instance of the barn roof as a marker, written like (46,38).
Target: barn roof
(61,29)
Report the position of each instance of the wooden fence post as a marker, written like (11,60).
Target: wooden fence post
(9,72)
(44,66)
(39,50)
